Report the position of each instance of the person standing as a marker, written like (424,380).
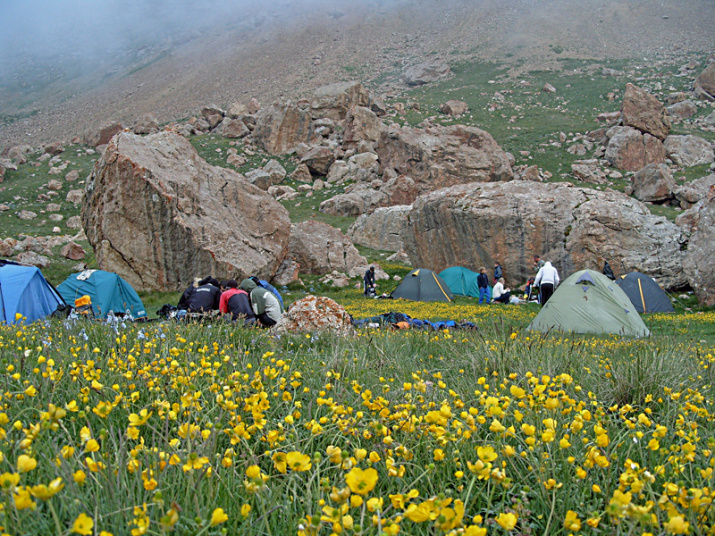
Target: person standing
(498,272)
(483,283)
(547,280)
(538,263)
(369,281)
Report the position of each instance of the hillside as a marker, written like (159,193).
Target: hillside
(289,51)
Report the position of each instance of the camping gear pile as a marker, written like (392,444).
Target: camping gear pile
(403,321)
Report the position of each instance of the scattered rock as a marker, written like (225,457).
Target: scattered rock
(683,110)
(360,124)
(72,175)
(335,279)
(54,148)
(318,159)
(548,88)
(653,184)
(233,129)
(643,111)
(630,150)
(315,315)
(146,124)
(54,185)
(689,150)
(424,73)
(75,197)
(695,191)
(26,215)
(280,128)
(30,258)
(236,110)
(588,171)
(704,85)
(454,108)
(260,178)
(302,174)
(201,219)
(56,217)
(73,251)
(334,101)
(287,272)
(75,222)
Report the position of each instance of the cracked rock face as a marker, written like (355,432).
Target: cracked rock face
(158,215)
(474,225)
(698,258)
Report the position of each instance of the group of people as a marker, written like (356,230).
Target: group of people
(546,280)
(249,301)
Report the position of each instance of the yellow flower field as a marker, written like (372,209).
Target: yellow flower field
(208,429)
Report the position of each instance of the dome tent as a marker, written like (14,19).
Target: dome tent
(461,281)
(645,294)
(107,290)
(589,302)
(25,291)
(423,285)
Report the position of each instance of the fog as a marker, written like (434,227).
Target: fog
(74,36)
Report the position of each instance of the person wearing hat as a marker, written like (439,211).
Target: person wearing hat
(265,305)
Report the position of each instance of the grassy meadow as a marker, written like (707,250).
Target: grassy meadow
(164,428)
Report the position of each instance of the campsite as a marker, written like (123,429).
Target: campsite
(378,432)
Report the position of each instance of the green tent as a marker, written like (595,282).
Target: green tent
(461,281)
(423,285)
(108,292)
(589,302)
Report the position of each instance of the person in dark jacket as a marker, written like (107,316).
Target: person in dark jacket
(483,283)
(205,298)
(236,302)
(369,280)
(186,296)
(265,305)
(498,272)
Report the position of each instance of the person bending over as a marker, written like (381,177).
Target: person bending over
(265,305)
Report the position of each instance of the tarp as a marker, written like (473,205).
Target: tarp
(24,290)
(461,281)
(108,292)
(589,302)
(423,285)
(645,294)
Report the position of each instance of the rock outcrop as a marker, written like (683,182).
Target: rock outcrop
(158,215)
(653,184)
(701,251)
(319,249)
(315,314)
(382,229)
(438,156)
(473,225)
(691,193)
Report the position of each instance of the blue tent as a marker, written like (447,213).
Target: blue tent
(24,290)
(461,281)
(107,290)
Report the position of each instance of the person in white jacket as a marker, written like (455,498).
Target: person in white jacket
(547,280)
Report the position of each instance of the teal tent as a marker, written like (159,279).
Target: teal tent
(461,281)
(589,302)
(107,290)
(423,285)
(24,291)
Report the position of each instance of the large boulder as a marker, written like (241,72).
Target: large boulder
(476,224)
(233,128)
(282,127)
(705,83)
(643,111)
(158,215)
(319,249)
(441,156)
(427,72)
(691,193)
(361,124)
(629,149)
(105,133)
(653,184)
(315,314)
(382,229)
(318,159)
(146,124)
(334,101)
(689,150)
(701,250)
(356,202)
(683,109)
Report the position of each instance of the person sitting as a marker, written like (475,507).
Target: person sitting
(369,282)
(205,298)
(186,296)
(265,305)
(499,293)
(236,302)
